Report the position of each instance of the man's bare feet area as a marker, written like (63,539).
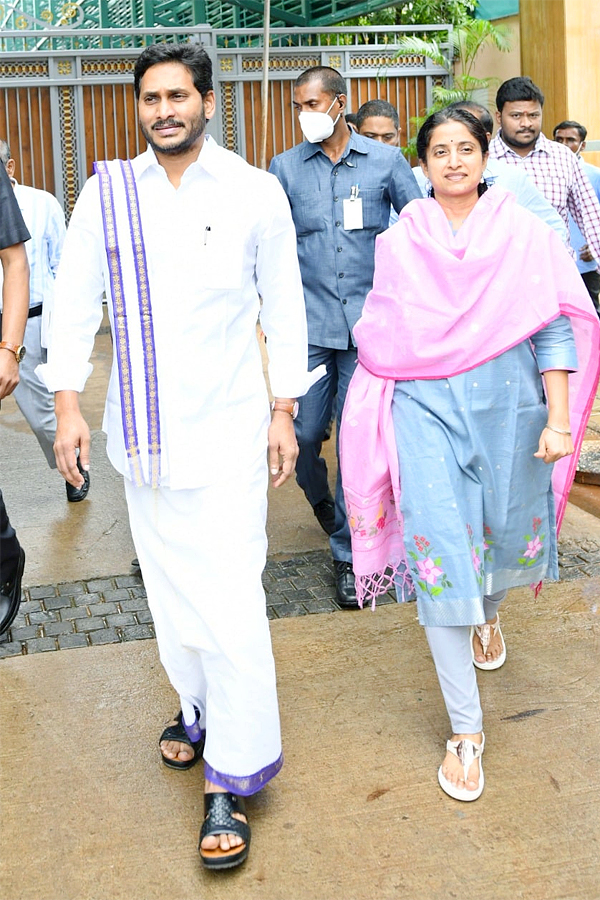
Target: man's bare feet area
(496,642)
(222,841)
(176,750)
(453,770)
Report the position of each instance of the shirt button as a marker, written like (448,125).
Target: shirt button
(335,173)
(339,249)
(341,275)
(344,302)
(337,224)
(335,199)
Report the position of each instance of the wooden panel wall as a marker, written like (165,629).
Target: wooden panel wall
(583,63)
(406,94)
(110,119)
(543,55)
(560,50)
(25,124)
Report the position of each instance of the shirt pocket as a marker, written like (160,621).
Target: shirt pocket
(376,212)
(308,212)
(221,258)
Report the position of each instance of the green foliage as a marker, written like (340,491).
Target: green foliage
(462,47)
(435,12)
(418,12)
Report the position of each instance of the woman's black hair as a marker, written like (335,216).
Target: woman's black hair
(463,116)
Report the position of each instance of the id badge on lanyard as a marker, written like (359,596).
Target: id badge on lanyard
(353,211)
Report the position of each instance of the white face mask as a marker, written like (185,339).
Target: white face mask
(317,126)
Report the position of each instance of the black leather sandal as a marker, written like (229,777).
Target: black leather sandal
(218,809)
(178,733)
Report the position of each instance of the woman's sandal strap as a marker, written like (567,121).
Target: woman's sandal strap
(467,751)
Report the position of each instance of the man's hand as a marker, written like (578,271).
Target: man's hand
(9,373)
(283,447)
(585,254)
(72,434)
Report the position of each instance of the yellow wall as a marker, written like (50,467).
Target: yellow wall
(560,51)
(499,66)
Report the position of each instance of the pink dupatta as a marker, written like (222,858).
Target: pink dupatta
(443,304)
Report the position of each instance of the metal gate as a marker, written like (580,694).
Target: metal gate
(66,95)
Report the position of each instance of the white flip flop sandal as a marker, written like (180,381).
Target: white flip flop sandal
(466,751)
(484,633)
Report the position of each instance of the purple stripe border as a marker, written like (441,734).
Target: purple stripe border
(146,321)
(119,314)
(244,785)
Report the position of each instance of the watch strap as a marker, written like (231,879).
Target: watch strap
(281,406)
(17,349)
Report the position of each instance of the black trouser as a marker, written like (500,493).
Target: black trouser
(9,546)
(592,283)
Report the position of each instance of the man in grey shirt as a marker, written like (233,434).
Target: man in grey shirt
(340,186)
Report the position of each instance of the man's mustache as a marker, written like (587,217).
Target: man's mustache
(168,123)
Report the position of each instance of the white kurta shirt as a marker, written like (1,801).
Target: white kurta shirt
(45,220)
(213,245)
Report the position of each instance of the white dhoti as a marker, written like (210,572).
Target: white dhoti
(202,552)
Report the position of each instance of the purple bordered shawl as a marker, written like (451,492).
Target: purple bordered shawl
(132,316)
(443,304)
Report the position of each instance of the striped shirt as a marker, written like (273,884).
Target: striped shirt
(559,175)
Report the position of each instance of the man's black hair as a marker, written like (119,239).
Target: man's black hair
(520,88)
(377,108)
(192,56)
(481,112)
(331,81)
(568,123)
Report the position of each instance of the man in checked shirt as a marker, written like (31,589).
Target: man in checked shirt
(557,172)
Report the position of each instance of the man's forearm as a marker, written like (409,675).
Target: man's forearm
(15,293)
(66,402)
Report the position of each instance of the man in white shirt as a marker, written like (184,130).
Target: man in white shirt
(46,223)
(184,239)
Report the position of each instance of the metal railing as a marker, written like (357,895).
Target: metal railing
(68,99)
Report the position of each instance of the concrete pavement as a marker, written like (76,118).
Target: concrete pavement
(89,813)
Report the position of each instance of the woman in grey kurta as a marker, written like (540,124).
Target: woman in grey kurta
(450,434)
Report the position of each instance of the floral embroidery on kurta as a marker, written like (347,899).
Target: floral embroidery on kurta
(534,550)
(427,570)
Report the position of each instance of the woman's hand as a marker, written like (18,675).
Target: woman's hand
(554,446)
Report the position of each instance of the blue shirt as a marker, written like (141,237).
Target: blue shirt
(577,239)
(337,265)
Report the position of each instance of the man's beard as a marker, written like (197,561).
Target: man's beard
(520,140)
(197,129)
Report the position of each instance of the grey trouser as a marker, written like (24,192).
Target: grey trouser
(451,651)
(34,401)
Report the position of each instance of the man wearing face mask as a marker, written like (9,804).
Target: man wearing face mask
(340,186)
(573,135)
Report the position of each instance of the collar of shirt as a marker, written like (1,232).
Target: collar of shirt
(357,142)
(541,147)
(209,159)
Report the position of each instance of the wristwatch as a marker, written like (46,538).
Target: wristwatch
(281,406)
(17,349)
